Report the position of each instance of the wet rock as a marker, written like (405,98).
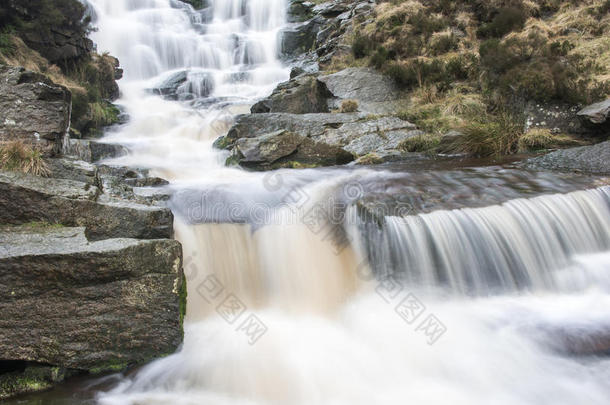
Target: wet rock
(374,92)
(92,150)
(25,198)
(287,149)
(34,109)
(96,306)
(301,95)
(76,170)
(593,159)
(29,377)
(185,85)
(299,38)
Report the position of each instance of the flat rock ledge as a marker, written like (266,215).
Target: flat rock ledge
(594,159)
(71,304)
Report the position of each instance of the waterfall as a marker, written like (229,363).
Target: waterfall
(519,244)
(470,306)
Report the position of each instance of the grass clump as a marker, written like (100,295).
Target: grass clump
(542,138)
(421,143)
(349,106)
(488,135)
(20,157)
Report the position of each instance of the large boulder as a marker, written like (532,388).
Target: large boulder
(597,115)
(374,92)
(287,149)
(593,159)
(25,198)
(300,95)
(355,133)
(83,305)
(34,109)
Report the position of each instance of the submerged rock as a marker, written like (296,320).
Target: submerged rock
(34,109)
(95,306)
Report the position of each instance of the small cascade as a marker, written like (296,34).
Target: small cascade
(519,244)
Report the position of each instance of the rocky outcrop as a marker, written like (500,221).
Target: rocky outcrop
(593,159)
(34,109)
(355,133)
(25,198)
(597,116)
(286,149)
(374,92)
(84,305)
(324,29)
(301,95)
(57,31)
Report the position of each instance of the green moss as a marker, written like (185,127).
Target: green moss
(109,367)
(183,302)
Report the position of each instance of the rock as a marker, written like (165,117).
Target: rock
(34,109)
(299,11)
(449,139)
(29,377)
(558,118)
(593,159)
(355,133)
(185,85)
(301,95)
(287,149)
(96,306)
(299,38)
(76,170)
(25,198)
(332,8)
(375,93)
(92,150)
(597,113)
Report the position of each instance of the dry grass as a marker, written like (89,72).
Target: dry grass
(537,139)
(22,55)
(349,106)
(18,156)
(421,143)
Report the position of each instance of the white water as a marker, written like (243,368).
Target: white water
(333,335)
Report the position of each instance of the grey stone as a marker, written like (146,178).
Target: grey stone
(300,95)
(25,198)
(596,113)
(34,109)
(96,306)
(593,159)
(375,93)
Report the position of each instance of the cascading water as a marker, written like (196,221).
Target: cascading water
(472,306)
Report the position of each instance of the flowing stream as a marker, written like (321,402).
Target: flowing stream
(489,295)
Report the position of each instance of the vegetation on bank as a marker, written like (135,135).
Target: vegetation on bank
(470,66)
(28,28)
(20,157)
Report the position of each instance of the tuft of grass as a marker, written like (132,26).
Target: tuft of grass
(349,106)
(538,139)
(489,135)
(421,143)
(17,156)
